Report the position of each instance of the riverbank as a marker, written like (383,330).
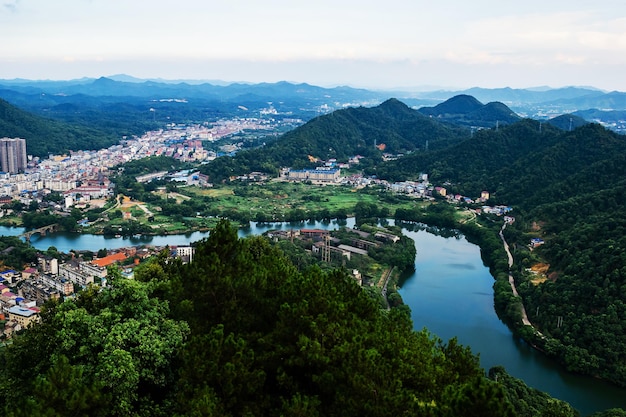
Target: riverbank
(451,294)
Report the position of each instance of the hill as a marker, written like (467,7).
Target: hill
(566,188)
(45,136)
(239,331)
(467,110)
(568,121)
(343,134)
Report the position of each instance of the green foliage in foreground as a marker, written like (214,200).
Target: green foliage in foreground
(238,332)
(530,402)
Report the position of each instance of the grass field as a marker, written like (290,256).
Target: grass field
(274,201)
(277,200)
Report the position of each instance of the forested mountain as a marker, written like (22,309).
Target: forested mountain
(44,136)
(108,87)
(391,126)
(466,110)
(568,121)
(105,100)
(567,187)
(240,331)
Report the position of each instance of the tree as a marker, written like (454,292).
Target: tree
(118,343)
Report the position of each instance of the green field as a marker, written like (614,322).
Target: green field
(283,200)
(273,201)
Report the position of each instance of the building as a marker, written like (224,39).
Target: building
(76,275)
(106,261)
(315,175)
(48,264)
(185,253)
(13,155)
(23,316)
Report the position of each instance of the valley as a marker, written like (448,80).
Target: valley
(459,164)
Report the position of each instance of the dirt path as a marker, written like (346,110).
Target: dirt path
(386,276)
(511,280)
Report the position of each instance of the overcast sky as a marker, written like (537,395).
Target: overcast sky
(362,43)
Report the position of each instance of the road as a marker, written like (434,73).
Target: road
(511,280)
(386,276)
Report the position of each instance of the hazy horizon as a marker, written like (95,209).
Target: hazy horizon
(398,44)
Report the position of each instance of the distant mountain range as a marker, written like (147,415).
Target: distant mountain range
(307,101)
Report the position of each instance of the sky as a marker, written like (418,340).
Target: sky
(381,44)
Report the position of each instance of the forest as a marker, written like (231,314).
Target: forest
(341,135)
(242,331)
(567,188)
(46,136)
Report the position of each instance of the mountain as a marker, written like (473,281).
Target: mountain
(300,100)
(390,127)
(125,86)
(517,97)
(457,105)
(44,136)
(568,121)
(467,110)
(567,188)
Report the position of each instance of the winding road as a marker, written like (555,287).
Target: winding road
(511,280)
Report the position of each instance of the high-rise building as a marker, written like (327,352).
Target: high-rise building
(13,155)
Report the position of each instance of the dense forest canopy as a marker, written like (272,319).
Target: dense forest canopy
(240,331)
(45,136)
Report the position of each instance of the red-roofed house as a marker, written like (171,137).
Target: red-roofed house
(109,260)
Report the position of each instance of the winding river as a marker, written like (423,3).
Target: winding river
(450,293)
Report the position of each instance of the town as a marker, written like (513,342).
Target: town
(83,177)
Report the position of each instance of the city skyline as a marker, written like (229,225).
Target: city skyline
(377,45)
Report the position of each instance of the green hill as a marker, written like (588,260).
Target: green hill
(468,111)
(567,188)
(45,136)
(567,121)
(239,331)
(343,134)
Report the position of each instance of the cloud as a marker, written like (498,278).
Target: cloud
(11,5)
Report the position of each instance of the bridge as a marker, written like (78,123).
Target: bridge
(42,231)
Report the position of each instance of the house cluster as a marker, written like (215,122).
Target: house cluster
(23,293)
(327,172)
(90,169)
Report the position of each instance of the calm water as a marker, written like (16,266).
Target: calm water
(450,293)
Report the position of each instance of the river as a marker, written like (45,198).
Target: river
(448,272)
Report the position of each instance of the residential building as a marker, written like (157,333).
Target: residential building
(75,274)
(185,253)
(23,316)
(13,155)
(315,175)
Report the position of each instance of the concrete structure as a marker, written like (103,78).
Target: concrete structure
(23,316)
(185,253)
(352,250)
(13,155)
(315,175)
(48,264)
(76,275)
